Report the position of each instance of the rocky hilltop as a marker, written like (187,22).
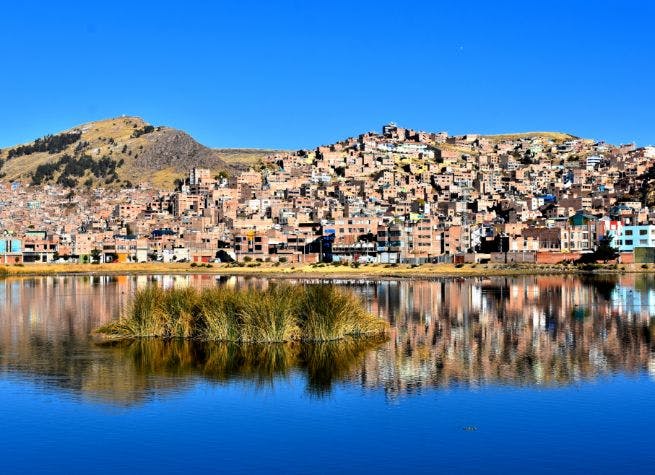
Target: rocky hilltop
(117,152)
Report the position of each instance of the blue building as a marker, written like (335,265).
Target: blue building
(11,251)
(627,238)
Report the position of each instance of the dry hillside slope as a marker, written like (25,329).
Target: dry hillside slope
(116,152)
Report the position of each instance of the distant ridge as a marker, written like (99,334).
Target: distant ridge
(557,136)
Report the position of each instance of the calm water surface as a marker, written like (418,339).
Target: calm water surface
(529,375)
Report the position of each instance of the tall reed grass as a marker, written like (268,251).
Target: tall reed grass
(280,313)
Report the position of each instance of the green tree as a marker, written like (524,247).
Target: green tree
(95,256)
(604,252)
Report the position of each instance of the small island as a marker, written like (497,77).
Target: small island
(280,313)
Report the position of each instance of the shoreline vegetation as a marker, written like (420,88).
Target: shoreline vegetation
(280,313)
(320,270)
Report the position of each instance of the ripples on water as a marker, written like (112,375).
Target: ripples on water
(525,331)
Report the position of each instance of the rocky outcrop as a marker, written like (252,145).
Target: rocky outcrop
(177,149)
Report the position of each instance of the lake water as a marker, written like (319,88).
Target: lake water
(488,375)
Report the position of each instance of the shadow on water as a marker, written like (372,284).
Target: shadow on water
(603,284)
(324,364)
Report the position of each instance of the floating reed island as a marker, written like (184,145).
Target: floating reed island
(281,313)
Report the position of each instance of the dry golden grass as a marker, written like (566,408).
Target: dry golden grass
(280,313)
(117,268)
(556,136)
(245,156)
(165,179)
(119,129)
(310,271)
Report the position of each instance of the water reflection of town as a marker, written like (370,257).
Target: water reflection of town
(518,331)
(467,332)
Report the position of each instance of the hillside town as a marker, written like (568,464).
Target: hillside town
(398,196)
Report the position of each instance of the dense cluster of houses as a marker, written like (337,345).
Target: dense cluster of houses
(396,196)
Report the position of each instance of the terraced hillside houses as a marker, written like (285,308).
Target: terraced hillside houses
(396,196)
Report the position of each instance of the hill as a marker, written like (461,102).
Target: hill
(117,152)
(555,136)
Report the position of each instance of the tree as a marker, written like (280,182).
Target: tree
(95,256)
(604,252)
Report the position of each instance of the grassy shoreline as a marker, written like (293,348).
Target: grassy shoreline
(280,313)
(320,271)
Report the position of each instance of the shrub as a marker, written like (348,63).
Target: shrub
(50,143)
(280,313)
(146,129)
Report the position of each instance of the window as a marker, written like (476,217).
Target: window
(643,241)
(643,232)
(628,232)
(629,242)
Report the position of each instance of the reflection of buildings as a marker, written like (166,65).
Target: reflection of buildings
(635,299)
(527,330)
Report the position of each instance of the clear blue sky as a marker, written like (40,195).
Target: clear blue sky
(294,74)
